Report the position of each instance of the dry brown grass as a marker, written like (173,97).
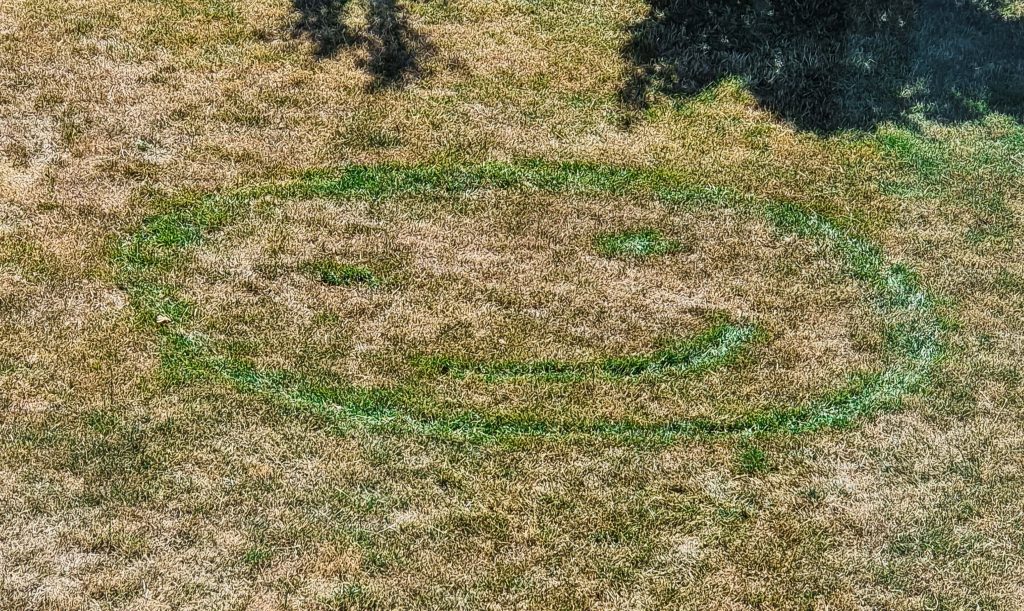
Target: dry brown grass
(123,491)
(498,276)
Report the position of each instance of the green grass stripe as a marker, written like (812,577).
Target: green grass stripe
(144,260)
(713,348)
(398,410)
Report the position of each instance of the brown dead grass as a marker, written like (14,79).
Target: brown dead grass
(499,276)
(120,492)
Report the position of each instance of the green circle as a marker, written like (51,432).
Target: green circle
(913,329)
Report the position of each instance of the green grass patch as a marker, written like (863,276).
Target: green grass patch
(636,244)
(333,273)
(751,459)
(715,347)
(257,557)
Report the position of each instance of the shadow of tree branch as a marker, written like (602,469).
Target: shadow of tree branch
(394,49)
(826,65)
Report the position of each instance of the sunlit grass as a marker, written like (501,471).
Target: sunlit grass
(913,329)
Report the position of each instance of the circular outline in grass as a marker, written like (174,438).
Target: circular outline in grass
(912,326)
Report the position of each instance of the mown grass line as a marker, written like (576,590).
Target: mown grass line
(714,347)
(143,260)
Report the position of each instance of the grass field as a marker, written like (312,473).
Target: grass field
(323,304)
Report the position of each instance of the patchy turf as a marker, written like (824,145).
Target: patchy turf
(912,327)
(605,304)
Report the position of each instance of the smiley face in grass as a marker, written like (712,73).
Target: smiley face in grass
(533,300)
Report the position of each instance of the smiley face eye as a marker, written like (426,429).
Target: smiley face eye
(637,243)
(530,300)
(335,273)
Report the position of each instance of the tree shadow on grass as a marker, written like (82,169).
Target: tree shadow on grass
(392,47)
(827,65)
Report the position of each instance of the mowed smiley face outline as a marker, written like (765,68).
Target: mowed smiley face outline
(912,326)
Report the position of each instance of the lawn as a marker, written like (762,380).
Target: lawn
(324,304)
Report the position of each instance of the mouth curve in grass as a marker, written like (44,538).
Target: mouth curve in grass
(717,346)
(913,346)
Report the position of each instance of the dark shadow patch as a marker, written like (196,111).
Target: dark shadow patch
(393,48)
(322,22)
(826,65)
